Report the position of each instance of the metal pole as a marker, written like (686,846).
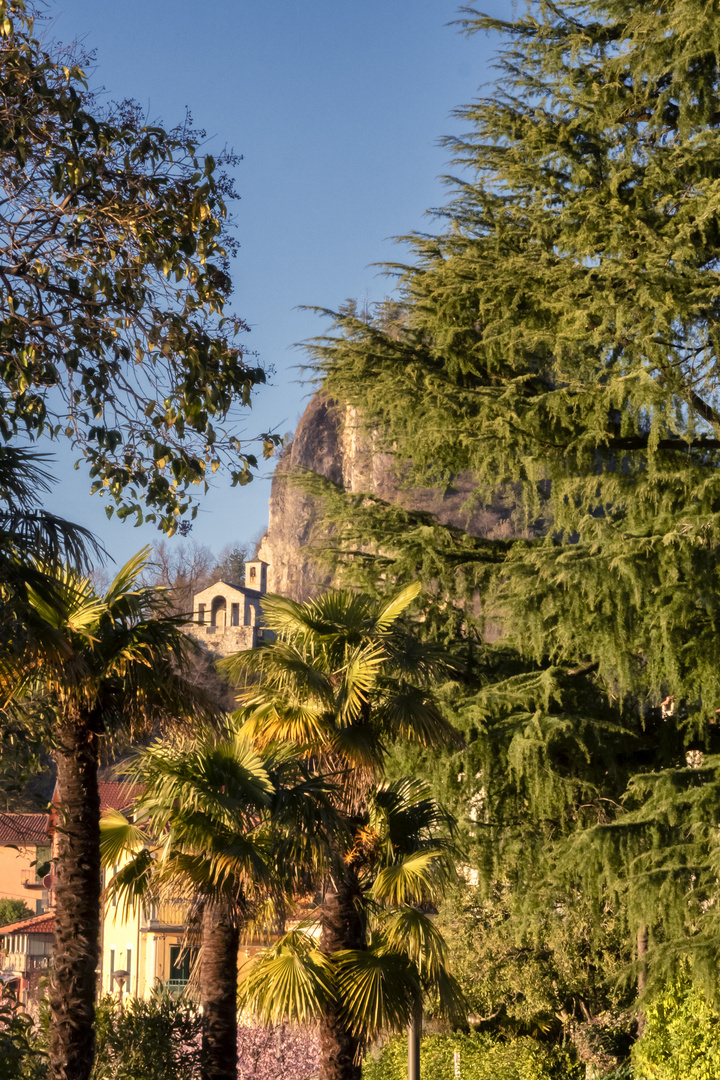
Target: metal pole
(414,1033)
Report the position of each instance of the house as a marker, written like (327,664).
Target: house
(228,618)
(25,850)
(144,942)
(25,954)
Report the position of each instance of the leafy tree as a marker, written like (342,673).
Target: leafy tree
(560,337)
(238,836)
(343,679)
(230,565)
(114,251)
(20,1056)
(13,910)
(112,665)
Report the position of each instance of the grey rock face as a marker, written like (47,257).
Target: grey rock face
(329,441)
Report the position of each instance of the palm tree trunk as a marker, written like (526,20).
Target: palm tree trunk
(343,927)
(218,977)
(77,903)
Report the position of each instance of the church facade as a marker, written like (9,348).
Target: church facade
(228,617)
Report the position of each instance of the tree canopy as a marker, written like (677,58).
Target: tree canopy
(557,336)
(115,327)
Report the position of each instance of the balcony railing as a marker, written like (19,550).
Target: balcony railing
(179,986)
(166,913)
(23,963)
(30,880)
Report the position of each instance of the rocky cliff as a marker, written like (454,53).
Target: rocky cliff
(328,441)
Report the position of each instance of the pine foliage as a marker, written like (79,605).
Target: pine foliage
(557,336)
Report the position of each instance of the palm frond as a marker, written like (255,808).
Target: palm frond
(413,878)
(410,932)
(128,577)
(119,838)
(133,884)
(293,980)
(377,990)
(403,811)
(411,713)
(358,675)
(451,1001)
(358,747)
(280,720)
(392,610)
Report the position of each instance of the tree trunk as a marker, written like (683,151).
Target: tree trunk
(342,928)
(642,947)
(218,977)
(77,903)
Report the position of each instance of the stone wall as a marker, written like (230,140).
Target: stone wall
(227,640)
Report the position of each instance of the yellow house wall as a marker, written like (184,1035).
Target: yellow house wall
(120,932)
(14,862)
(150,951)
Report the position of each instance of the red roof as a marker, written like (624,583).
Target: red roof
(24,828)
(37,924)
(118,796)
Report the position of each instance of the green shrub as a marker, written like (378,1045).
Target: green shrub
(681,1040)
(21,1057)
(158,1039)
(482,1057)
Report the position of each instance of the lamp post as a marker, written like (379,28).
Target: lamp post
(414,1033)
(120,976)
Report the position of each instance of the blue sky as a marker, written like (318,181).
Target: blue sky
(337,109)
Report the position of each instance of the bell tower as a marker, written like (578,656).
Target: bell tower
(256,575)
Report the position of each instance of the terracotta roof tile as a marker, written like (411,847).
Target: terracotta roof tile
(37,924)
(118,795)
(24,828)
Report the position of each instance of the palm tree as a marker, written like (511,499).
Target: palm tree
(31,539)
(403,865)
(234,833)
(343,678)
(115,667)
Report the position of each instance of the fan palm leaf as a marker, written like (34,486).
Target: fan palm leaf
(377,990)
(292,980)
(413,934)
(413,878)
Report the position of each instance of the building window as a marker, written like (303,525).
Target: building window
(181,963)
(235,615)
(43,853)
(112,965)
(201,613)
(253,573)
(128,965)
